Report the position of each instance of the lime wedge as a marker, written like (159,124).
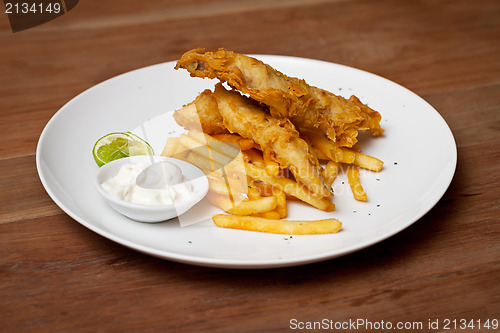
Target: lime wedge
(117,145)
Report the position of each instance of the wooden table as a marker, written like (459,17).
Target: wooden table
(56,275)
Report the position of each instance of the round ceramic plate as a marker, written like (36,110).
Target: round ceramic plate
(417,147)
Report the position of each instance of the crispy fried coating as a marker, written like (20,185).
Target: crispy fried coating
(200,115)
(287,97)
(276,137)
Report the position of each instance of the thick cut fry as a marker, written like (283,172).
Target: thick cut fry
(272,215)
(244,207)
(253,192)
(230,150)
(170,146)
(202,156)
(220,154)
(367,162)
(254,223)
(357,190)
(254,156)
(330,172)
(281,202)
(215,170)
(204,164)
(221,201)
(229,178)
(324,149)
(230,189)
(205,150)
(290,187)
(265,190)
(244,144)
(319,154)
(181,151)
(348,156)
(324,145)
(272,167)
(254,206)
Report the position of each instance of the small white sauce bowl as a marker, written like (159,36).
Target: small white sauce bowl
(152,213)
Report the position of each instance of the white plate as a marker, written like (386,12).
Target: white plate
(417,147)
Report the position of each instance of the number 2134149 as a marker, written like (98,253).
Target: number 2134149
(32,8)
(462,324)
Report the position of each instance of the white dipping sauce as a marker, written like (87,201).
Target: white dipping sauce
(163,184)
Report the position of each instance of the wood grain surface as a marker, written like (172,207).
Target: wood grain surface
(58,276)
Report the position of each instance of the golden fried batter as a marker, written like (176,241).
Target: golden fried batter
(276,137)
(287,97)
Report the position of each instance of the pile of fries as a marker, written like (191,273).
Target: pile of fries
(252,187)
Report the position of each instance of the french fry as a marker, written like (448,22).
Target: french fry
(265,190)
(236,170)
(324,146)
(367,162)
(219,197)
(229,150)
(231,178)
(253,192)
(205,150)
(219,153)
(243,143)
(255,223)
(203,163)
(356,188)
(215,170)
(272,215)
(326,150)
(348,156)
(290,187)
(230,188)
(254,206)
(281,202)
(254,156)
(330,172)
(319,155)
(170,146)
(181,151)
(216,159)
(272,167)
(221,201)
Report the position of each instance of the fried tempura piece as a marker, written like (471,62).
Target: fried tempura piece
(276,137)
(287,97)
(199,115)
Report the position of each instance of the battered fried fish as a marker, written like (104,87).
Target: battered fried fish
(201,114)
(276,137)
(287,97)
